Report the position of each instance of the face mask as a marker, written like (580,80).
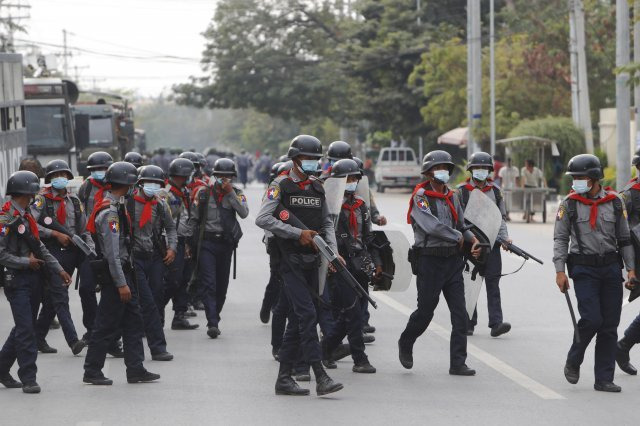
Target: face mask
(98,175)
(150,189)
(220,181)
(59,182)
(441,175)
(581,186)
(309,166)
(351,187)
(480,174)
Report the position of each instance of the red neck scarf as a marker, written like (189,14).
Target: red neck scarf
(91,223)
(593,215)
(99,196)
(353,218)
(193,186)
(635,185)
(180,194)
(146,210)
(33,225)
(485,188)
(300,184)
(61,214)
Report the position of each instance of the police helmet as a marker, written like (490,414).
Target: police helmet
(345,167)
(191,156)
(339,150)
(99,160)
(435,158)
(359,163)
(224,166)
(121,173)
(636,159)
(152,174)
(585,165)
(56,166)
(181,167)
(23,182)
(274,170)
(305,145)
(134,158)
(285,167)
(201,159)
(283,159)
(480,159)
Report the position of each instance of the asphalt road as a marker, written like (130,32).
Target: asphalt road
(230,380)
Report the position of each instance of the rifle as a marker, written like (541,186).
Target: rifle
(77,240)
(326,252)
(518,251)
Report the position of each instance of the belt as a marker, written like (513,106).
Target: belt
(438,251)
(593,259)
(214,236)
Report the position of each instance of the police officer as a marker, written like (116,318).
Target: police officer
(354,245)
(214,218)
(22,255)
(177,196)
(338,150)
(151,218)
(60,216)
(480,165)
(438,225)
(205,167)
(134,158)
(303,196)
(591,236)
(631,197)
(119,308)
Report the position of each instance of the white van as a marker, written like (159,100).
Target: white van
(397,168)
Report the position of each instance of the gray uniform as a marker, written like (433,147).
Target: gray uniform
(111,238)
(440,231)
(603,239)
(233,200)
(633,209)
(503,234)
(160,221)
(88,201)
(39,209)
(179,212)
(15,254)
(268,222)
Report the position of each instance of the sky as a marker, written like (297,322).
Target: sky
(133,28)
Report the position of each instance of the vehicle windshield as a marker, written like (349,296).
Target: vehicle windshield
(100,131)
(46,127)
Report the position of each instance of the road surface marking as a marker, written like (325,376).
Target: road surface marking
(491,361)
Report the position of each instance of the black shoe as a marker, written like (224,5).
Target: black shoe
(98,381)
(364,367)
(607,387)
(303,377)
(55,324)
(78,346)
(325,385)
(342,351)
(462,370)
(44,348)
(329,364)
(265,313)
(190,313)
(406,357)
(198,306)
(213,332)
(9,382)
(470,331)
(275,354)
(285,385)
(368,338)
(622,357)
(31,387)
(500,329)
(180,322)
(368,328)
(571,373)
(143,378)
(116,352)
(162,356)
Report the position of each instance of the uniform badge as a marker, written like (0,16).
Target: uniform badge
(48,220)
(273,192)
(114,226)
(4,230)
(21,229)
(560,214)
(422,203)
(242,198)
(284,215)
(38,202)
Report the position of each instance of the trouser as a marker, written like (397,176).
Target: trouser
(214,269)
(325,317)
(23,294)
(349,320)
(632,333)
(112,318)
(439,275)
(493,271)
(56,300)
(301,328)
(176,281)
(272,291)
(242,175)
(149,275)
(279,320)
(88,298)
(599,293)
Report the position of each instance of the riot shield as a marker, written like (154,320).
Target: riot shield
(334,195)
(363,191)
(483,212)
(472,289)
(393,247)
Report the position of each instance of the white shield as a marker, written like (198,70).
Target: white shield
(363,191)
(402,274)
(483,212)
(334,195)
(471,290)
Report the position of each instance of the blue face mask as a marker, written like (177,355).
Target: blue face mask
(59,182)
(150,189)
(441,175)
(581,186)
(98,174)
(220,181)
(351,187)
(480,174)
(309,166)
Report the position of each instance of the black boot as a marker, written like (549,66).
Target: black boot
(44,348)
(180,322)
(406,356)
(622,357)
(324,383)
(285,385)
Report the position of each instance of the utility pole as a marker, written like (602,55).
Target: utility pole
(65,54)
(474,49)
(420,141)
(469,81)
(636,58)
(492,74)
(9,20)
(573,56)
(583,82)
(623,95)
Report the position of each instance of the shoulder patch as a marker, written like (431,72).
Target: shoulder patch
(422,202)
(114,224)
(4,230)
(561,211)
(242,198)
(38,202)
(273,192)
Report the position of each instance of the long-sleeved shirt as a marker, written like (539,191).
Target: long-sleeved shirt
(111,238)
(603,239)
(90,200)
(440,230)
(160,222)
(14,254)
(503,234)
(268,222)
(180,206)
(235,200)
(363,237)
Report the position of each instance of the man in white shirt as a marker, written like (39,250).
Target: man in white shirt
(531,177)
(509,175)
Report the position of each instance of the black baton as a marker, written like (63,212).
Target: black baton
(573,316)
